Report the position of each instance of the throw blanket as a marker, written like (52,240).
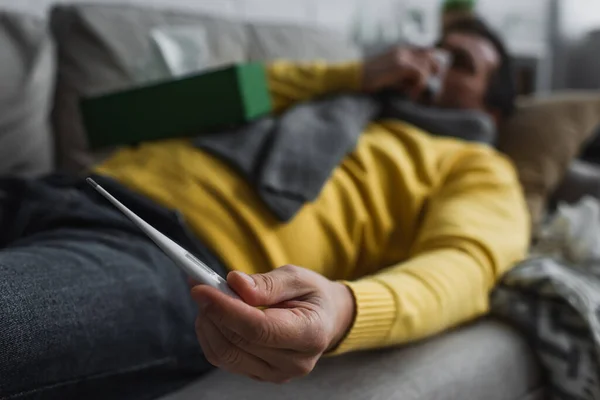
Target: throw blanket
(554,297)
(290,158)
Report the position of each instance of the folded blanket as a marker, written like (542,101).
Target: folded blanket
(290,158)
(554,298)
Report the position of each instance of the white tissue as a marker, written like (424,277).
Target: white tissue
(184,49)
(573,233)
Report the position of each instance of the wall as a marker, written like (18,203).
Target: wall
(578,17)
(337,13)
(575,20)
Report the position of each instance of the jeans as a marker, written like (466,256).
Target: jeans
(90,308)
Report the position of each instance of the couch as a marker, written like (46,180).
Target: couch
(49,64)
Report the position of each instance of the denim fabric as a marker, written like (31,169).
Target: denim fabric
(90,308)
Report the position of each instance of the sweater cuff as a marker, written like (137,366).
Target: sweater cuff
(344,77)
(376,313)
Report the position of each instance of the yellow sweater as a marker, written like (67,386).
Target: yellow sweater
(420,228)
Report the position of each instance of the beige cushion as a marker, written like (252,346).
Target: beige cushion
(26,88)
(486,360)
(108,47)
(544,137)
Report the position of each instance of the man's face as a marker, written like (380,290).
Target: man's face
(475,60)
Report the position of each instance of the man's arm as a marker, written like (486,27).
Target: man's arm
(404,69)
(474,229)
(291,83)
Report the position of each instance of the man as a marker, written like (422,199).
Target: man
(406,239)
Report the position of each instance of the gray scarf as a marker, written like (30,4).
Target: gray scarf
(289,158)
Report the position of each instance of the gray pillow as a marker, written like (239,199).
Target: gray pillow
(108,47)
(27,71)
(102,48)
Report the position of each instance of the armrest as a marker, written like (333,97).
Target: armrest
(582,179)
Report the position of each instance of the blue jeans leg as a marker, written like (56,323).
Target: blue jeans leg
(90,308)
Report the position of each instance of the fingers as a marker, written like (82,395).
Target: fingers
(404,69)
(414,82)
(434,63)
(225,355)
(282,342)
(419,67)
(277,286)
(226,349)
(282,328)
(244,319)
(292,364)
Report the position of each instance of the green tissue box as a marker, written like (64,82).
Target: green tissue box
(177,108)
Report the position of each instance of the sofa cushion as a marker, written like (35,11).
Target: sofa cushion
(486,360)
(544,137)
(26,88)
(104,48)
(582,179)
(295,42)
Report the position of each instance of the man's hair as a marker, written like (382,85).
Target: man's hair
(501,92)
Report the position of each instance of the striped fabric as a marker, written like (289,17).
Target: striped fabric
(554,297)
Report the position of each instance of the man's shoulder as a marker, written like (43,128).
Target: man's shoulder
(485,159)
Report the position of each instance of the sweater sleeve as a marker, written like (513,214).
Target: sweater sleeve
(473,230)
(291,83)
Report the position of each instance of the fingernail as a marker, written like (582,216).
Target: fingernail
(247,278)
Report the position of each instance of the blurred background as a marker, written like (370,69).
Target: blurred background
(556,42)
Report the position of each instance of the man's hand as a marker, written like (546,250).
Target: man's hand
(403,68)
(306,315)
